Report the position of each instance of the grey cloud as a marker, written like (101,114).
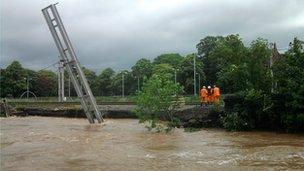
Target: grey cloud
(117,33)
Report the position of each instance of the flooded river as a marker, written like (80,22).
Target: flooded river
(46,143)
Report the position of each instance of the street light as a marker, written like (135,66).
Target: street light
(27,87)
(199,81)
(175,75)
(194,77)
(123,85)
(138,83)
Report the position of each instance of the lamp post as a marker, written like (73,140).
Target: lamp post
(175,75)
(123,85)
(27,79)
(194,77)
(199,81)
(27,87)
(70,87)
(138,83)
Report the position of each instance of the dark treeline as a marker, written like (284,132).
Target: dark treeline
(270,84)
(220,60)
(44,83)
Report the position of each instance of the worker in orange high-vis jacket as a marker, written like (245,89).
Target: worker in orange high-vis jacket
(203,95)
(209,95)
(216,94)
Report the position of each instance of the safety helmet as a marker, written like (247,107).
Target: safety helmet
(209,87)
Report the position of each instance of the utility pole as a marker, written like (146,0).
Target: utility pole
(138,83)
(194,76)
(61,96)
(69,87)
(175,76)
(27,87)
(123,85)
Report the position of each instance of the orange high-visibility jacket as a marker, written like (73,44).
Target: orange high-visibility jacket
(204,93)
(216,92)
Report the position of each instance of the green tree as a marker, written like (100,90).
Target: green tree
(218,52)
(205,48)
(234,78)
(157,101)
(130,84)
(45,84)
(243,68)
(92,79)
(13,80)
(258,65)
(104,82)
(164,69)
(289,76)
(173,59)
(142,68)
(186,72)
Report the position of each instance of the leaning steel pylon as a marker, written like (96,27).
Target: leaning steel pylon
(69,59)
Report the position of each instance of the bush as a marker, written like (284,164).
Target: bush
(235,122)
(251,110)
(157,101)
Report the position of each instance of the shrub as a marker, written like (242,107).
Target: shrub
(250,110)
(157,101)
(235,121)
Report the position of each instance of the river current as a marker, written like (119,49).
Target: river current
(47,143)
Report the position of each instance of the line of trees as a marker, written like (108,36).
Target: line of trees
(221,60)
(270,93)
(43,83)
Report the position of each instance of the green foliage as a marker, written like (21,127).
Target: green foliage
(205,48)
(234,67)
(289,79)
(104,81)
(186,72)
(234,78)
(258,68)
(142,68)
(13,80)
(223,60)
(157,101)
(235,122)
(92,79)
(46,83)
(252,112)
(164,69)
(128,81)
(173,59)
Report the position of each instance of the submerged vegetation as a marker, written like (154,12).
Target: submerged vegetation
(158,100)
(267,87)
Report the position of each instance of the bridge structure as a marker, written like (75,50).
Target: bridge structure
(69,60)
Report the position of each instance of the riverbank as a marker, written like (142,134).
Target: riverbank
(189,115)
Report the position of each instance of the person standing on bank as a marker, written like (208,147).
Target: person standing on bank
(203,94)
(216,94)
(209,96)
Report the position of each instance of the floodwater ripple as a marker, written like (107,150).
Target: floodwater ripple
(47,143)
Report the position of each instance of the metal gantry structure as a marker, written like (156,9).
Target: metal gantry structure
(70,61)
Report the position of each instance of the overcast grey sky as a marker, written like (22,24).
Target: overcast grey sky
(116,33)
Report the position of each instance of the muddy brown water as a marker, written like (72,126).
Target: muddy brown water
(47,143)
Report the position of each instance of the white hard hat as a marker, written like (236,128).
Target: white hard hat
(209,87)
